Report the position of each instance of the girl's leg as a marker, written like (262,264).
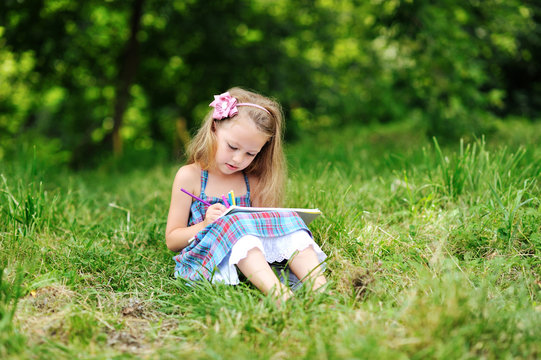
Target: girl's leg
(305,265)
(255,267)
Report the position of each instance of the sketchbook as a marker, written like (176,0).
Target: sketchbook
(307,215)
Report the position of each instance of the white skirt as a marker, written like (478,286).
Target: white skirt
(275,249)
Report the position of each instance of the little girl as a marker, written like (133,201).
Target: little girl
(239,148)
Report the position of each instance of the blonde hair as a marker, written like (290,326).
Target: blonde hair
(269,166)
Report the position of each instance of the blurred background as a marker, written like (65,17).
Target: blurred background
(86,81)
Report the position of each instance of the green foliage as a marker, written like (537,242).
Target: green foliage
(433,252)
(449,315)
(452,67)
(10,339)
(453,51)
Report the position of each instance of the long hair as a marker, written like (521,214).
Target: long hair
(269,166)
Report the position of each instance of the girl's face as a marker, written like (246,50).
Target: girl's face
(238,143)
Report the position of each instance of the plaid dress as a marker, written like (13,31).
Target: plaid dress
(212,244)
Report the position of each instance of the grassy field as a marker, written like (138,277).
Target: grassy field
(434,252)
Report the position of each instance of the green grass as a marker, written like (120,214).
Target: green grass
(434,252)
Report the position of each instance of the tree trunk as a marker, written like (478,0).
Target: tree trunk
(128,63)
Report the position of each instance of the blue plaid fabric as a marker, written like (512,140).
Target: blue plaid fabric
(211,245)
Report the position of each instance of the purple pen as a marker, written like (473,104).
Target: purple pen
(195,197)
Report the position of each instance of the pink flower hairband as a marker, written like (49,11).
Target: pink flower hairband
(225,106)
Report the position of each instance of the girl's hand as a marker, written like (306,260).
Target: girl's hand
(213,213)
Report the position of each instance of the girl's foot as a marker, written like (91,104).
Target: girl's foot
(282,294)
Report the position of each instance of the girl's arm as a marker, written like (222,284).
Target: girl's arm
(177,232)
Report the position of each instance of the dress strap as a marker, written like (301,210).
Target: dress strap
(247,184)
(204,179)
